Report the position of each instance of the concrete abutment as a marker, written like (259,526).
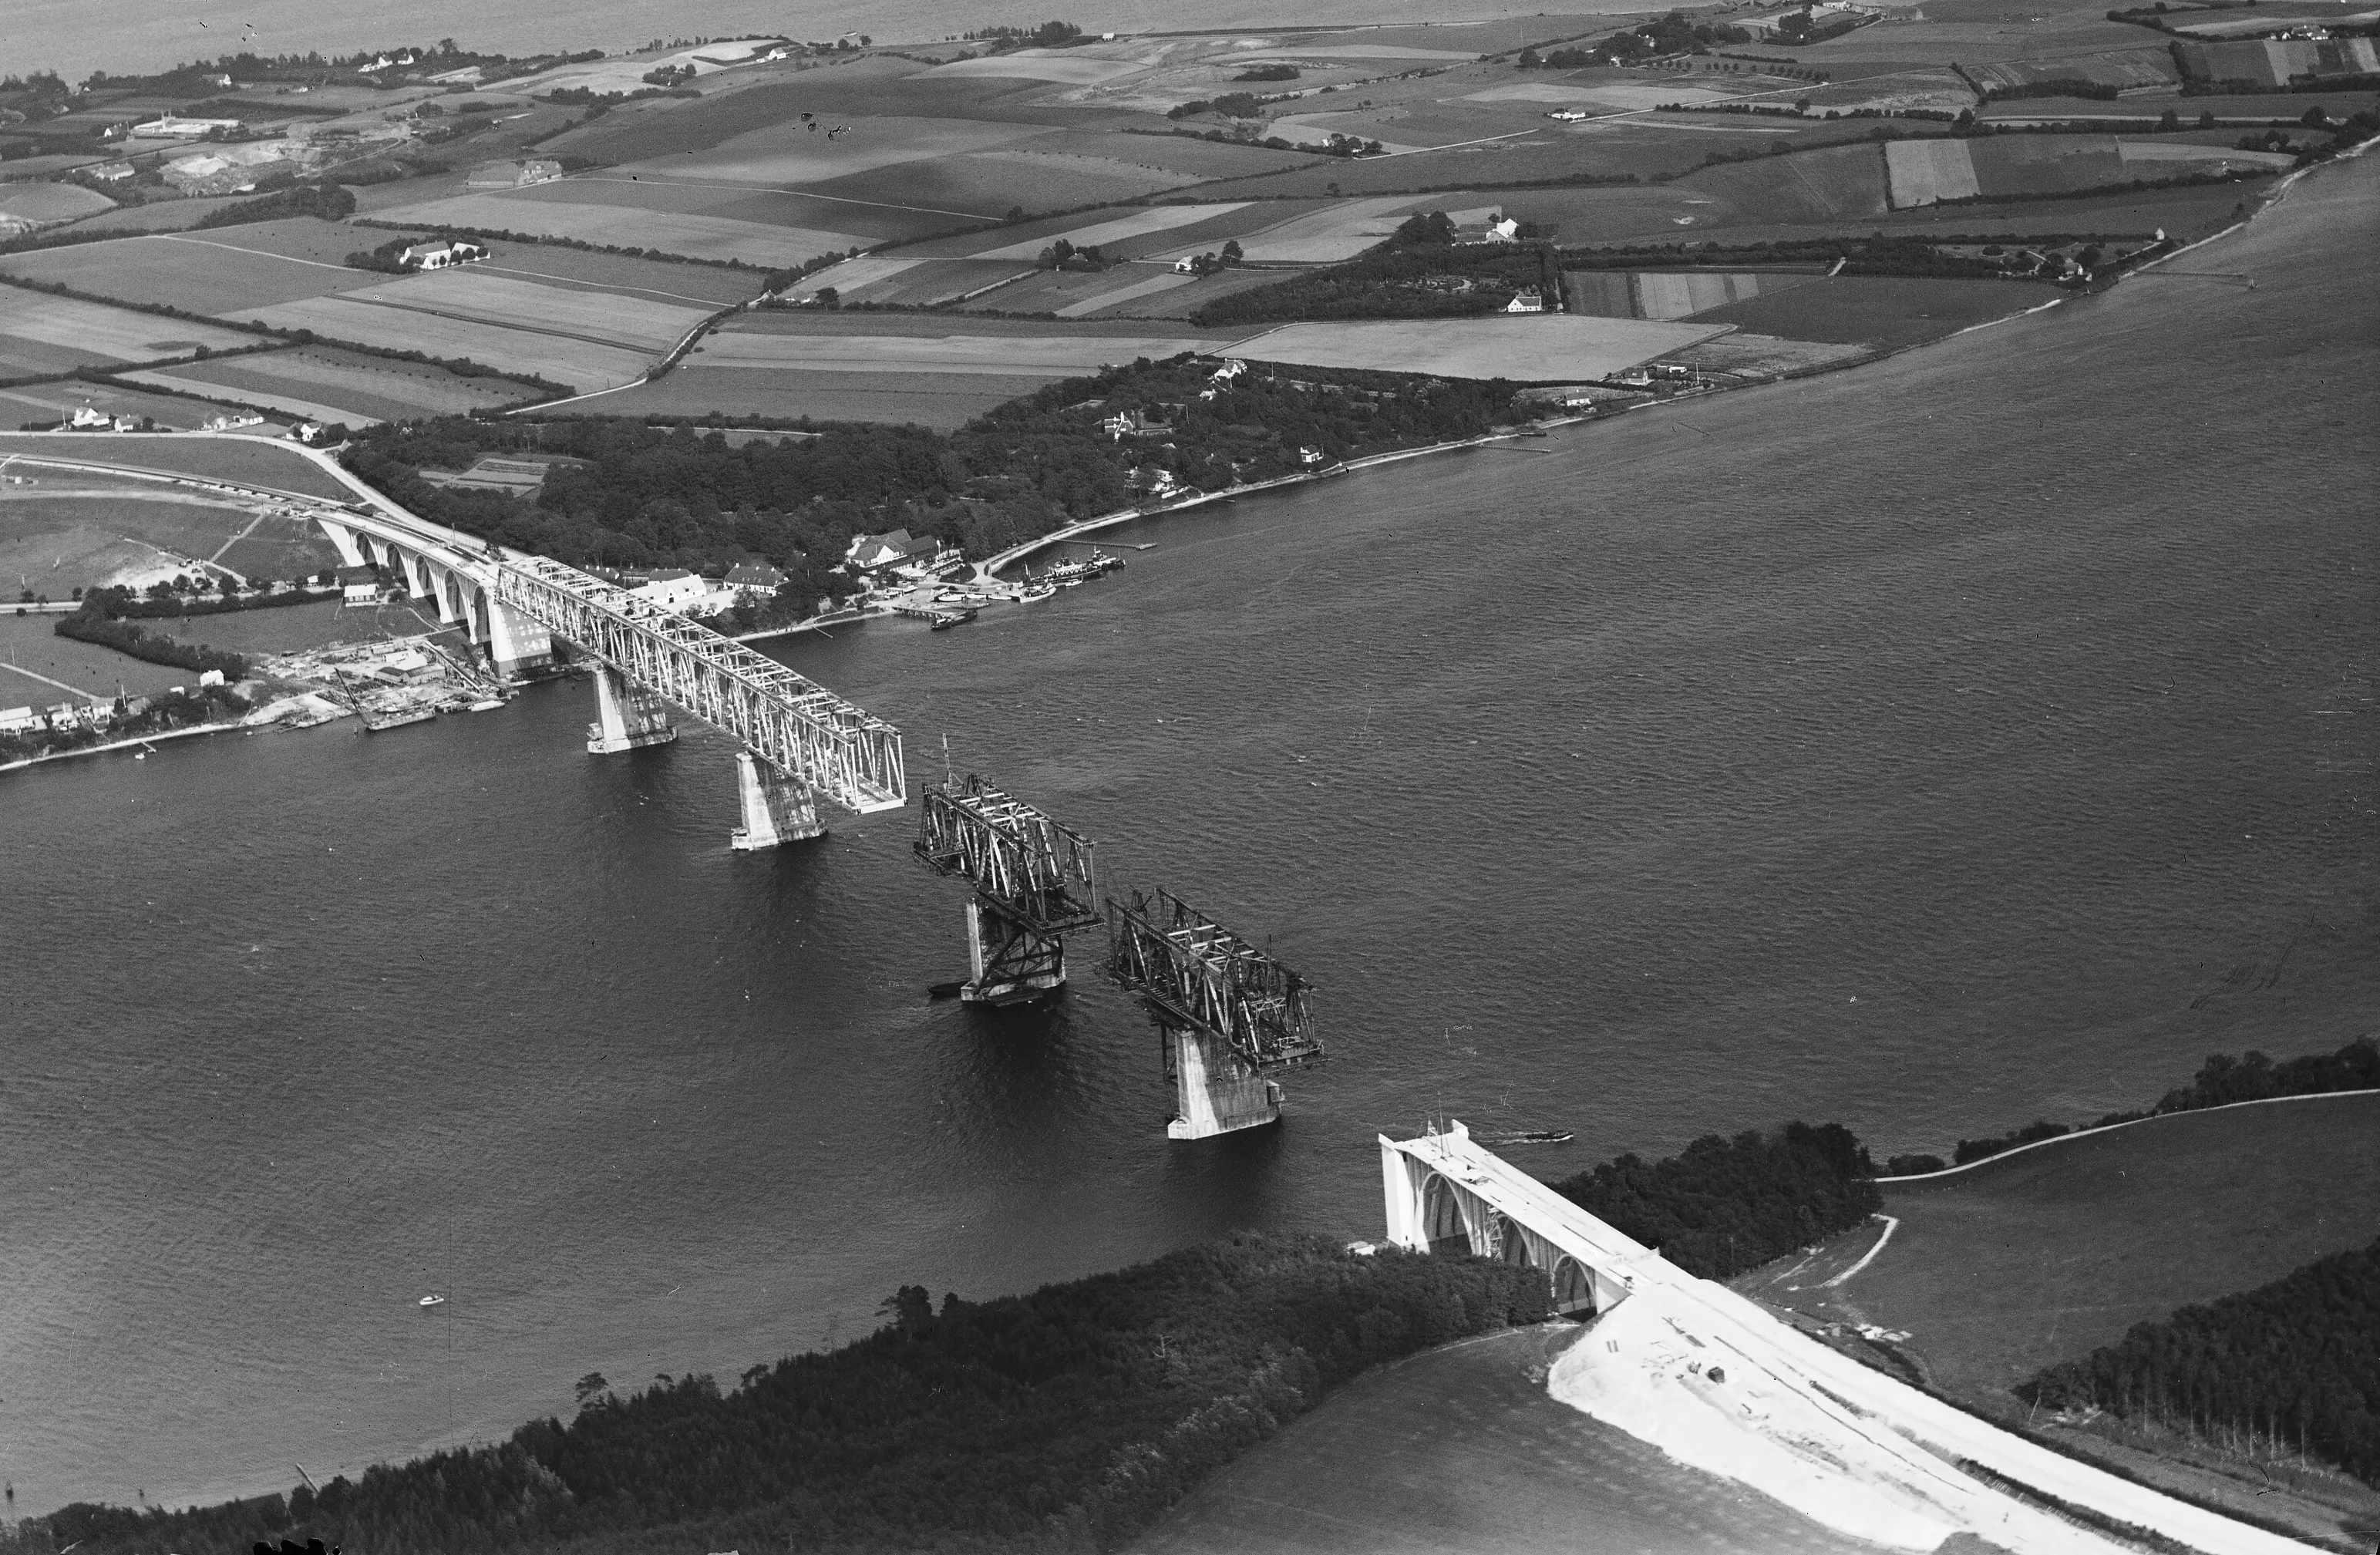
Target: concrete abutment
(1215,1091)
(777,808)
(626,717)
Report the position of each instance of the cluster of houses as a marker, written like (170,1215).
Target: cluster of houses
(68,716)
(899,558)
(683,591)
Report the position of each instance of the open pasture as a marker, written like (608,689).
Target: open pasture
(941,401)
(1929,172)
(274,466)
(1046,354)
(1548,349)
(1887,92)
(32,656)
(927,283)
(1071,294)
(585,365)
(356,386)
(1880,311)
(793,153)
(637,325)
(1182,301)
(2154,157)
(1337,232)
(1115,297)
(2007,165)
(40,204)
(89,530)
(1970,42)
(945,194)
(2117,68)
(1113,230)
(706,286)
(41,335)
(1060,67)
(276,404)
(1840,181)
(1619,294)
(589,215)
(223,276)
(2038,1258)
(1747,354)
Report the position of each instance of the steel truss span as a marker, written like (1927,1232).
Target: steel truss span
(843,752)
(1196,975)
(1025,866)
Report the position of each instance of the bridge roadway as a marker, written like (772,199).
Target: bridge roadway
(1841,1431)
(800,741)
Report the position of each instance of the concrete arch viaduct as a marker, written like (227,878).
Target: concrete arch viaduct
(1718,1380)
(800,743)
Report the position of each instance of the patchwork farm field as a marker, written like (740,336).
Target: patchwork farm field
(1619,294)
(1047,356)
(589,212)
(42,335)
(584,364)
(1547,349)
(705,287)
(325,383)
(604,317)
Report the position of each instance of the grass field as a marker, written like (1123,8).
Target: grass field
(2118,67)
(706,286)
(1045,355)
(1880,311)
(1462,1449)
(32,656)
(356,386)
(85,531)
(1764,355)
(224,273)
(263,464)
(1559,348)
(1619,294)
(584,364)
(809,324)
(1929,172)
(2002,1271)
(41,335)
(943,401)
(588,215)
(1339,232)
(49,202)
(1156,219)
(1841,181)
(635,323)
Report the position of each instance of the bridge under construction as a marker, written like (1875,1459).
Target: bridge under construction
(800,743)
(1034,880)
(1228,1016)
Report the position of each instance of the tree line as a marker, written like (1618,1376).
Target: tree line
(2288,1368)
(2221,1081)
(1068,1418)
(1415,275)
(156,648)
(1722,1205)
(644,496)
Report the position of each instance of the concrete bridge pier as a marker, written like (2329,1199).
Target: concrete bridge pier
(1215,1091)
(351,554)
(1011,963)
(474,608)
(625,716)
(441,590)
(515,644)
(777,808)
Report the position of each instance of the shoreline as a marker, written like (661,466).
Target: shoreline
(127,745)
(2106,1128)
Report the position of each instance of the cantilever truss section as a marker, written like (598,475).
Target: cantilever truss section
(806,731)
(1193,974)
(1023,865)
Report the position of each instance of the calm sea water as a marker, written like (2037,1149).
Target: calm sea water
(63,35)
(1982,735)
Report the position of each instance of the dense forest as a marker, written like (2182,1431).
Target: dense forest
(1726,1205)
(1420,274)
(2292,1367)
(648,495)
(2221,1081)
(1065,1419)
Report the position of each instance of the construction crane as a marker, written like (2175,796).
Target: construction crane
(1227,1014)
(1033,880)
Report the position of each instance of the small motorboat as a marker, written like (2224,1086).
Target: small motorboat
(487,704)
(434,1301)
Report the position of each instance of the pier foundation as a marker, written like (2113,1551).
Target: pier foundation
(1215,1091)
(344,537)
(777,808)
(626,717)
(517,645)
(1012,964)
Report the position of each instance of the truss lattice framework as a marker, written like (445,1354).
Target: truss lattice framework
(1193,973)
(797,725)
(1023,865)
